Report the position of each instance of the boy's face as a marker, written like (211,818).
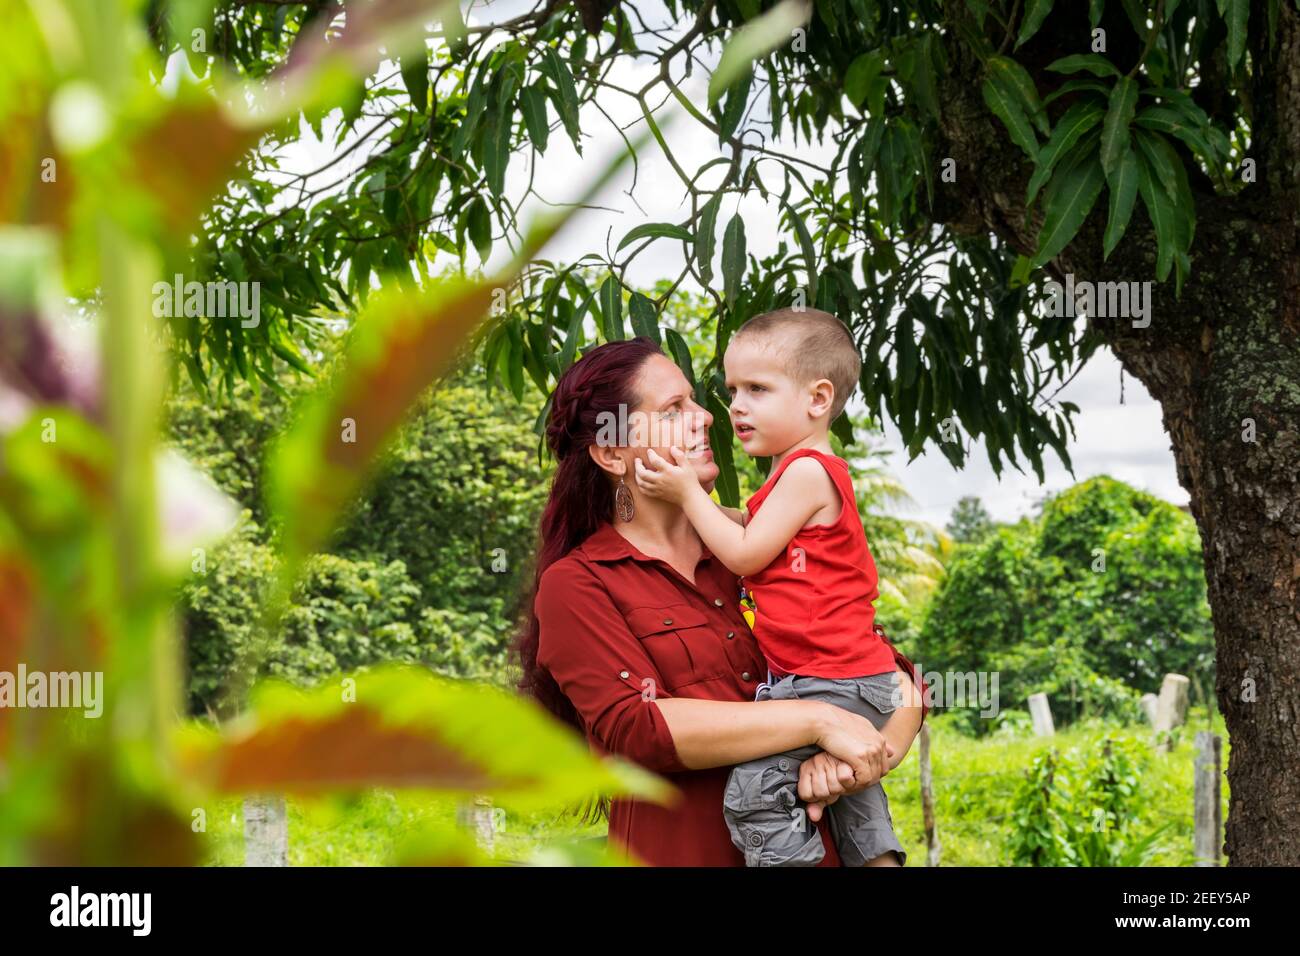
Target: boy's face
(769,410)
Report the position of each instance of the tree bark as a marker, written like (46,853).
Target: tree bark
(1222,359)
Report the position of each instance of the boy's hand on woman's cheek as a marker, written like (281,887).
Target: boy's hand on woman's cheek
(669,480)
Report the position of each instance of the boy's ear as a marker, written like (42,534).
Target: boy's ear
(822,396)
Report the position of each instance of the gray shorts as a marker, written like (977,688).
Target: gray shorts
(761,804)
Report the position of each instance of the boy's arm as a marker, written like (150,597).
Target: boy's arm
(735,514)
(803,489)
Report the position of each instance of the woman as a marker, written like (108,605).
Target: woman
(635,635)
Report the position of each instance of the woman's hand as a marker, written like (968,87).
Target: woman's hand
(857,742)
(670,480)
(823,779)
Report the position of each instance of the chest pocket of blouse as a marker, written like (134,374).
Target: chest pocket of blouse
(678,639)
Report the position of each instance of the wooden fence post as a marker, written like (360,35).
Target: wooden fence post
(927,800)
(266,831)
(1041,713)
(1207,799)
(480,818)
(1171,708)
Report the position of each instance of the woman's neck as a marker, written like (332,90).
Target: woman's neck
(661,530)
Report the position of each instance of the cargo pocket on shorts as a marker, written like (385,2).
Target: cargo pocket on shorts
(881,694)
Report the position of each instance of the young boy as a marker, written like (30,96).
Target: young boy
(808,572)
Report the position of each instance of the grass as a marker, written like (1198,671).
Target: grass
(974,780)
(372,828)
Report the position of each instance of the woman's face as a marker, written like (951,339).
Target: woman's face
(669,415)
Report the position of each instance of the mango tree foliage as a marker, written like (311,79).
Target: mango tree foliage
(943,171)
(104,173)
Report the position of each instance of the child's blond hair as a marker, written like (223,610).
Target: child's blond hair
(817,346)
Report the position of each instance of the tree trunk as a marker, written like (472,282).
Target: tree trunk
(1223,361)
(1244,497)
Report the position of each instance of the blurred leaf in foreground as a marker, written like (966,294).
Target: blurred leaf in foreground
(405,727)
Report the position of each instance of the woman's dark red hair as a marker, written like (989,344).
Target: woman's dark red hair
(582,497)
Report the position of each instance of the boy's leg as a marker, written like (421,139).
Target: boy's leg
(860,823)
(864,829)
(903,723)
(767,820)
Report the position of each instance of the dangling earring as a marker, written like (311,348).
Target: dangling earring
(623,501)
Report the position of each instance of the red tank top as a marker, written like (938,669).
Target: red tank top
(813,610)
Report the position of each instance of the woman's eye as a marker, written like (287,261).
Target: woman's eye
(759,388)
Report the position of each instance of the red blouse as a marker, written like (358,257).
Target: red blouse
(619,629)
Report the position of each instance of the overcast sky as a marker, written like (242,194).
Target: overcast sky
(1124,440)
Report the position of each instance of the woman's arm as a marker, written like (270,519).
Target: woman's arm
(712,733)
(715,733)
(823,778)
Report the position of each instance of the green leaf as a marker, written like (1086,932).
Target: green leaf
(415,76)
(1122,184)
(756,39)
(1114,133)
(515,360)
(1036,12)
(737,100)
(564,94)
(1015,79)
(1136,11)
(727,485)
(657,229)
(478,223)
(916,70)
(908,355)
(1068,200)
(453,25)
(475,104)
(1094,63)
(1078,119)
(861,75)
(496,148)
(681,354)
(1173,213)
(1007,108)
(706,240)
(532,103)
(411,728)
(733,258)
(1020,272)
(809,250)
(570,347)
(645,321)
(1161,210)
(1164,160)
(1174,122)
(1238,11)
(1076,85)
(871,144)
(611,310)
(1179,99)
(1095,9)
